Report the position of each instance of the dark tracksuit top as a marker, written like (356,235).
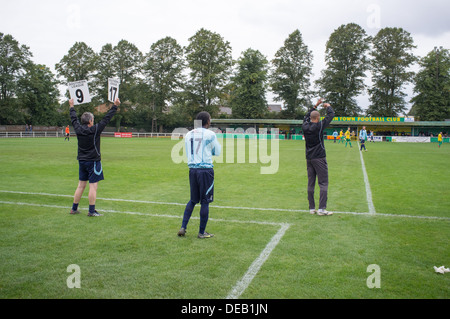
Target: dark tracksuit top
(313,133)
(89,137)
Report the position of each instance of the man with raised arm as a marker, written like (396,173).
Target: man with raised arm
(316,161)
(89,156)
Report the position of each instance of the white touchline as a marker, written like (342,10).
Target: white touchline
(372,210)
(229,207)
(147,214)
(254,268)
(177,204)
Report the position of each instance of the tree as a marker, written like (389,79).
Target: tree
(391,59)
(249,82)
(126,62)
(38,95)
(209,58)
(105,69)
(343,79)
(290,80)
(78,64)
(163,70)
(432,83)
(13,61)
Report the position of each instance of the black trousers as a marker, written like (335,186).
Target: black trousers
(317,168)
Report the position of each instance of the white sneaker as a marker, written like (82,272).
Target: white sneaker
(312,211)
(322,212)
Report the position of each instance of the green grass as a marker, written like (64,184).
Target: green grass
(139,256)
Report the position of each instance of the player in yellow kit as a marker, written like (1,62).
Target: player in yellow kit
(440,139)
(341,134)
(347,138)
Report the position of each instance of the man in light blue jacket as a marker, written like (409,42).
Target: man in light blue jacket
(201,146)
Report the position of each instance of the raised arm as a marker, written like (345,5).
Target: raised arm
(108,117)
(73,116)
(330,115)
(308,115)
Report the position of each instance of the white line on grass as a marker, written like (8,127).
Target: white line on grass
(254,268)
(176,204)
(230,207)
(372,210)
(148,214)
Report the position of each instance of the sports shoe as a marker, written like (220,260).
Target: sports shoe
(205,235)
(94,214)
(74,212)
(324,213)
(313,211)
(182,232)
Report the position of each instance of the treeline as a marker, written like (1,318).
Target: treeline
(170,84)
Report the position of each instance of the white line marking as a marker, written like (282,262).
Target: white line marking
(148,214)
(254,268)
(372,210)
(229,207)
(177,204)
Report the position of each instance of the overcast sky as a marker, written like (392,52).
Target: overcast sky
(51,27)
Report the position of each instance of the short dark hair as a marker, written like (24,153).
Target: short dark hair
(204,117)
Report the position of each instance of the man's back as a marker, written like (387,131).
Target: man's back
(314,132)
(89,137)
(201,146)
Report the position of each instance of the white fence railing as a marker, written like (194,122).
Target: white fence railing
(29,134)
(60,134)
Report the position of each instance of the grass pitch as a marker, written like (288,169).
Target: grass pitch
(133,251)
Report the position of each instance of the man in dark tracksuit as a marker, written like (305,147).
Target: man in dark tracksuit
(317,166)
(89,157)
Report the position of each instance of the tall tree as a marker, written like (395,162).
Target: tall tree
(392,57)
(343,79)
(127,59)
(105,66)
(163,70)
(432,83)
(13,61)
(128,63)
(38,94)
(290,80)
(210,61)
(250,82)
(78,64)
